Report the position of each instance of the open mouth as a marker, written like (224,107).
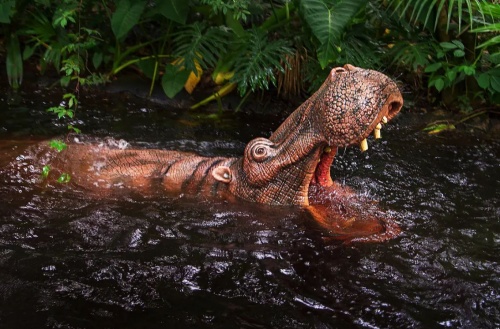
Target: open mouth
(344,214)
(321,176)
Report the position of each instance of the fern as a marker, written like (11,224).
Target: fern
(198,44)
(256,61)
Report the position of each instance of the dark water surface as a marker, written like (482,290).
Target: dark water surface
(71,261)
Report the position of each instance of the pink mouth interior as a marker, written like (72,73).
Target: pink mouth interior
(321,175)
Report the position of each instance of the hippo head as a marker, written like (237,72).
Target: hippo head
(350,105)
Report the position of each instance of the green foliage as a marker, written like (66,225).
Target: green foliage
(422,11)
(359,49)
(173,79)
(64,178)
(57,145)
(14,62)
(45,171)
(327,20)
(437,128)
(7,9)
(175,10)
(43,36)
(444,73)
(65,109)
(442,44)
(238,8)
(65,12)
(257,60)
(197,43)
(412,54)
(464,35)
(126,16)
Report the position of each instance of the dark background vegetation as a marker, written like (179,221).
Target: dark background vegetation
(444,53)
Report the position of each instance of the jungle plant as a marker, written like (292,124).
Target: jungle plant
(451,46)
(257,60)
(328,20)
(197,48)
(465,56)
(162,37)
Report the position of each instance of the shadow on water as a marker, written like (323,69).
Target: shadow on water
(71,261)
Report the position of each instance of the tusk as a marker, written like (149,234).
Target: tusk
(384,119)
(364,145)
(376,132)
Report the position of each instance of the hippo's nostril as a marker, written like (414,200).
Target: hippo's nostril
(340,70)
(394,107)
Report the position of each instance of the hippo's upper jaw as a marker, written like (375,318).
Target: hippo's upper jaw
(350,105)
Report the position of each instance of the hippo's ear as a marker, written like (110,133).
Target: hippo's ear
(222,174)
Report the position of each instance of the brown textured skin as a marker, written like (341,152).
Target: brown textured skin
(289,168)
(344,111)
(102,169)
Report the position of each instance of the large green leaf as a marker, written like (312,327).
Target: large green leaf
(126,16)
(173,80)
(327,21)
(175,10)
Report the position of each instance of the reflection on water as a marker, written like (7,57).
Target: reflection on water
(67,260)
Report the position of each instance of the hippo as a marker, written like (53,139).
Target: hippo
(290,168)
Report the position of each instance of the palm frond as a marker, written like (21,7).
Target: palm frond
(198,44)
(359,49)
(257,60)
(476,11)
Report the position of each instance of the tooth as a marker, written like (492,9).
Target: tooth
(364,145)
(384,119)
(376,132)
(327,149)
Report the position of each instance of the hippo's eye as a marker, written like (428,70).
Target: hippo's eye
(260,152)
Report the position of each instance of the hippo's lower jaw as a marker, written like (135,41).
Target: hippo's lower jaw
(344,214)
(348,216)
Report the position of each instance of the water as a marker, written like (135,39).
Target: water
(68,260)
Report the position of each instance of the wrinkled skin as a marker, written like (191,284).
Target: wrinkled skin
(291,167)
